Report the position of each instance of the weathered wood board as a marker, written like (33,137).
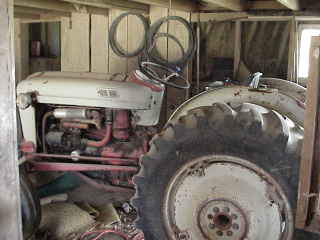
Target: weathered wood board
(75,49)
(310,158)
(11,225)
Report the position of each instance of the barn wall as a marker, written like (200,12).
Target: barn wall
(85,46)
(75,49)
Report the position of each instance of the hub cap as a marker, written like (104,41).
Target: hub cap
(221,217)
(223,197)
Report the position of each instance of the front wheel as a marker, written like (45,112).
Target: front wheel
(222,173)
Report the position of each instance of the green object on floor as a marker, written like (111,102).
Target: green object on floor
(66,182)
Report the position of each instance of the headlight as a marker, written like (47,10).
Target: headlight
(24,100)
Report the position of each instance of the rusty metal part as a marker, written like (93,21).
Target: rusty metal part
(121,124)
(78,167)
(95,121)
(105,140)
(44,124)
(121,150)
(132,149)
(108,160)
(254,206)
(75,125)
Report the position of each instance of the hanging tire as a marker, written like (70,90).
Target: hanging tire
(222,172)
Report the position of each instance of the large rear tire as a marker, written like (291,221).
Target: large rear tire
(219,172)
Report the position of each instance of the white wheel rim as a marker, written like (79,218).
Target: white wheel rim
(224,197)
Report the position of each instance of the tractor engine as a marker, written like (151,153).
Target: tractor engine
(104,133)
(88,123)
(92,132)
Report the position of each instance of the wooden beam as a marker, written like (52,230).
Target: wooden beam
(264,5)
(90,10)
(119,4)
(183,5)
(291,4)
(310,160)
(11,224)
(46,5)
(219,17)
(237,49)
(37,11)
(41,19)
(57,7)
(204,6)
(235,5)
(26,15)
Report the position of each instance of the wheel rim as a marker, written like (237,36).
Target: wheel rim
(224,197)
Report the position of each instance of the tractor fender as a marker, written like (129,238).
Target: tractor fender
(285,97)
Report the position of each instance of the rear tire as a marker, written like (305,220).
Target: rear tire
(261,137)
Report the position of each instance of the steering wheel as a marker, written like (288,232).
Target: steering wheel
(152,69)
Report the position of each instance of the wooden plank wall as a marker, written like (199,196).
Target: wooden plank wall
(99,47)
(129,35)
(75,44)
(85,45)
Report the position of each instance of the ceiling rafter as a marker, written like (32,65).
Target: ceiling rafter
(264,5)
(50,7)
(183,5)
(118,4)
(89,6)
(45,5)
(291,4)
(234,5)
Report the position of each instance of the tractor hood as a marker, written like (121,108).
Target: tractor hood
(86,89)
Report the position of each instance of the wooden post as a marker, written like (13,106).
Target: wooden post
(10,216)
(175,97)
(308,195)
(237,49)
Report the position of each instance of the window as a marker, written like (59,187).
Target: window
(305,34)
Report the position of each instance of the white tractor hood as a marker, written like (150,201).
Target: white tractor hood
(87,89)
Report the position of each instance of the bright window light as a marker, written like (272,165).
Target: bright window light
(305,44)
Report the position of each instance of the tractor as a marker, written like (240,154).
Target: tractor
(224,166)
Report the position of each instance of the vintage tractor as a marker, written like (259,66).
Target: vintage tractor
(225,166)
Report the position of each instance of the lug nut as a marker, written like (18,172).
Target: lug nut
(210,216)
(219,233)
(235,226)
(229,233)
(216,209)
(212,226)
(234,216)
(226,209)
